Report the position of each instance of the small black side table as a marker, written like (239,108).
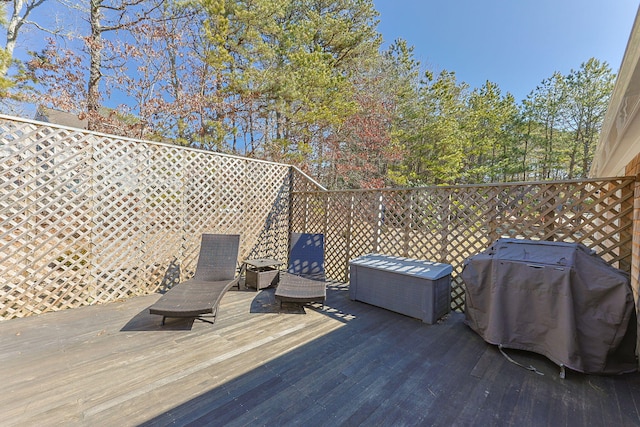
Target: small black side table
(262,272)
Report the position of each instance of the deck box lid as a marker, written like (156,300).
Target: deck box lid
(409,266)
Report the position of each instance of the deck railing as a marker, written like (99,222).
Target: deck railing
(88,218)
(450,224)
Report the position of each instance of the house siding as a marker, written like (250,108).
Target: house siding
(633,168)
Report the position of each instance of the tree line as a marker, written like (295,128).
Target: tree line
(306,82)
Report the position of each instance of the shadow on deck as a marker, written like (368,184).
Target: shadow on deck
(352,364)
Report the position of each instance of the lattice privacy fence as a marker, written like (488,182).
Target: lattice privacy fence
(450,224)
(88,218)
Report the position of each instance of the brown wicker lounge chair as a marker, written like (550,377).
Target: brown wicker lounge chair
(304,280)
(215,275)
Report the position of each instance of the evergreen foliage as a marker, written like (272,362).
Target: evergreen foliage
(307,82)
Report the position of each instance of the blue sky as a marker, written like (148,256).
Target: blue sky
(514,43)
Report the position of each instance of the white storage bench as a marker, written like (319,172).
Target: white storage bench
(416,288)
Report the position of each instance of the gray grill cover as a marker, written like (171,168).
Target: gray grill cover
(553,298)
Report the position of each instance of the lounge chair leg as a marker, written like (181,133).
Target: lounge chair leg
(163,318)
(204,319)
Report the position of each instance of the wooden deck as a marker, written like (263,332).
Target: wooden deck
(351,364)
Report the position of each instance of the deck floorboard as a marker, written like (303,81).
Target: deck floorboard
(259,364)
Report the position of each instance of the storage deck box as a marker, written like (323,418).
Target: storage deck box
(416,288)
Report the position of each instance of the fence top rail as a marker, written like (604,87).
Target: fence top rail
(321,188)
(485,185)
(145,141)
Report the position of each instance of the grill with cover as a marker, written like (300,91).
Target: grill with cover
(557,299)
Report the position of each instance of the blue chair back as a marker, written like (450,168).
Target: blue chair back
(306,255)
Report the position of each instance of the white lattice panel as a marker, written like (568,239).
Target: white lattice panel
(450,224)
(88,218)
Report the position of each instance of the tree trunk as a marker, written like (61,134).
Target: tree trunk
(12,34)
(13,28)
(573,157)
(589,136)
(525,153)
(95,73)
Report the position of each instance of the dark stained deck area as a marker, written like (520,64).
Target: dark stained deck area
(351,364)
